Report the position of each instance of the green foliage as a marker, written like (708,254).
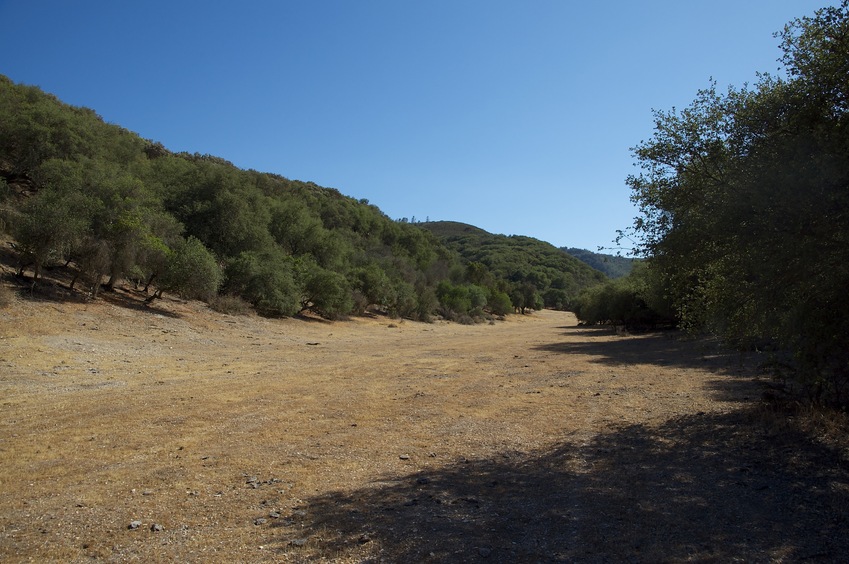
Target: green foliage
(499,302)
(49,225)
(326,293)
(405,302)
(426,302)
(265,280)
(743,200)
(525,296)
(507,264)
(636,302)
(612,265)
(118,206)
(192,271)
(373,284)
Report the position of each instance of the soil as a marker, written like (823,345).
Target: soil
(175,433)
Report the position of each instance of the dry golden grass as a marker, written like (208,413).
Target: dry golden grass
(249,439)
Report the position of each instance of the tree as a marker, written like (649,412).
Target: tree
(326,293)
(192,272)
(499,303)
(265,280)
(744,198)
(49,225)
(374,285)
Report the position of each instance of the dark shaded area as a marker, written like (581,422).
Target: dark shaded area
(705,487)
(53,286)
(658,348)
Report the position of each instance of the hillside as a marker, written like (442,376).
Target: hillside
(109,206)
(555,275)
(612,265)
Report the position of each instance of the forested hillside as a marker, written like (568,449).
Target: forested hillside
(612,265)
(105,204)
(538,273)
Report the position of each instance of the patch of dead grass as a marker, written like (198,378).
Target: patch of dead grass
(385,439)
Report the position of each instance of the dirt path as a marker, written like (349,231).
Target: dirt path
(248,439)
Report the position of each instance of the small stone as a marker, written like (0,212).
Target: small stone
(298,542)
(423,481)
(484,552)
(274,515)
(260,521)
(364,539)
(157,528)
(134,525)
(404,457)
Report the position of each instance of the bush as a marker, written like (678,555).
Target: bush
(426,303)
(264,280)
(327,293)
(499,303)
(192,271)
(404,303)
(635,301)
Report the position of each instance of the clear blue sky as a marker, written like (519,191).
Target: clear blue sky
(517,117)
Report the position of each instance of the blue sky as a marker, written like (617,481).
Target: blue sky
(517,117)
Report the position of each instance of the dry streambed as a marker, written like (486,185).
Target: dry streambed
(179,434)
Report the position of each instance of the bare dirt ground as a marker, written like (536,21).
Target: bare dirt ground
(243,439)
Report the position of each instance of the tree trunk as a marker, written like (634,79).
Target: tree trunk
(153,296)
(110,284)
(95,286)
(149,280)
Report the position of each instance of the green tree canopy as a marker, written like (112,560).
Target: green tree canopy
(744,200)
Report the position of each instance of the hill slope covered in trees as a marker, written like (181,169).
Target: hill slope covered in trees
(109,205)
(535,273)
(612,265)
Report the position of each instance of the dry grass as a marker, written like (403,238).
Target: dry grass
(7,296)
(376,439)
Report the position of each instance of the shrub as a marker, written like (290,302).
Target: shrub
(327,293)
(192,271)
(499,303)
(264,280)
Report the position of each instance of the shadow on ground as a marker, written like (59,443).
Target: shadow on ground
(659,348)
(51,289)
(705,487)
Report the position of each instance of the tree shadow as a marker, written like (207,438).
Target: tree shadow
(658,348)
(51,289)
(706,487)
(136,301)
